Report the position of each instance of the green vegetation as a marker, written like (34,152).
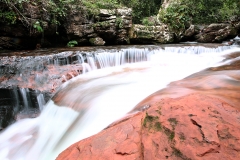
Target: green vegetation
(142,8)
(72,43)
(181,13)
(119,22)
(37,26)
(8,16)
(93,6)
(147,21)
(101,24)
(205,11)
(148,119)
(158,126)
(173,122)
(178,15)
(28,11)
(169,133)
(178,153)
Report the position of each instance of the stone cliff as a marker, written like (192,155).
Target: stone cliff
(107,27)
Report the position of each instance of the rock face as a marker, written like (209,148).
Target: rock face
(190,127)
(151,34)
(112,26)
(190,33)
(217,33)
(213,33)
(22,34)
(97,41)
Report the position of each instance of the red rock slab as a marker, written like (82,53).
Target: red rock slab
(122,140)
(48,80)
(194,126)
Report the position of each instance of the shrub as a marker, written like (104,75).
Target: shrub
(142,8)
(177,17)
(179,14)
(72,43)
(149,21)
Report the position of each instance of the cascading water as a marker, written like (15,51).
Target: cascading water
(90,102)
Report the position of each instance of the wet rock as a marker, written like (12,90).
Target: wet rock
(195,126)
(236,40)
(18,103)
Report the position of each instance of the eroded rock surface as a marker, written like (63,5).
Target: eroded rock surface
(195,118)
(189,127)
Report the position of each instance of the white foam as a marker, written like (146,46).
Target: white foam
(98,98)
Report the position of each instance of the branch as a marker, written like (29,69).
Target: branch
(15,8)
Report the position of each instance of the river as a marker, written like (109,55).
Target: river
(109,87)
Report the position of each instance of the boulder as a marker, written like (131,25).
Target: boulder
(98,41)
(151,34)
(190,33)
(217,33)
(195,126)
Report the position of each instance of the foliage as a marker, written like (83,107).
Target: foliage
(180,13)
(8,17)
(149,21)
(119,22)
(176,16)
(51,11)
(93,6)
(142,8)
(213,11)
(72,43)
(37,26)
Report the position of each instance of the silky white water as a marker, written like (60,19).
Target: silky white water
(90,102)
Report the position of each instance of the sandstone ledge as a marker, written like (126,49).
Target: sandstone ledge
(195,127)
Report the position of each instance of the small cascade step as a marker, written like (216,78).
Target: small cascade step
(35,70)
(20,103)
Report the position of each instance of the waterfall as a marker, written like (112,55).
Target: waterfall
(41,101)
(88,103)
(25,97)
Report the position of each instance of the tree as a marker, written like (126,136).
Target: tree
(142,8)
